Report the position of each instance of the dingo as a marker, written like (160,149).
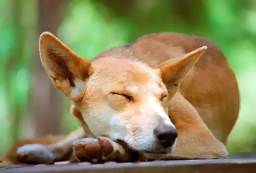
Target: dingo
(164,96)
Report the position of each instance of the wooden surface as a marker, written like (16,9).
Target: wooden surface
(234,164)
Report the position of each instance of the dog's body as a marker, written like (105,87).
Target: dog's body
(116,95)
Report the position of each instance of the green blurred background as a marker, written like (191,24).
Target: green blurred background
(30,106)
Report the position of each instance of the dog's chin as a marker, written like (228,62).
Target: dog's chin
(153,155)
(158,151)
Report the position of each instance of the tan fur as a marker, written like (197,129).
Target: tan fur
(126,92)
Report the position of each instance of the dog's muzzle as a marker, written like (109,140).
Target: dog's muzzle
(166,135)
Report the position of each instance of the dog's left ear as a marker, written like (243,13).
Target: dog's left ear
(67,70)
(173,71)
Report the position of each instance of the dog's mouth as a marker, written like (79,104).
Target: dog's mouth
(156,152)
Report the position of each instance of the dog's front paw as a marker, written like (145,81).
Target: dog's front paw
(99,149)
(35,153)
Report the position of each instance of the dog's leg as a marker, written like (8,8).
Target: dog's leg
(195,140)
(100,149)
(39,153)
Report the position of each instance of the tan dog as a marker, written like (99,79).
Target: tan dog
(164,96)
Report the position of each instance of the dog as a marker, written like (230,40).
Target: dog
(164,96)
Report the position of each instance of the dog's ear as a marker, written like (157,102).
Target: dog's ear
(66,70)
(174,70)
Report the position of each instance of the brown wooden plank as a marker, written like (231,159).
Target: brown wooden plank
(180,166)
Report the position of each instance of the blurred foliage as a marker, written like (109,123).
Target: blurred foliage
(91,26)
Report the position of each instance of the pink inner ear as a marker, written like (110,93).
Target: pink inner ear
(58,66)
(174,70)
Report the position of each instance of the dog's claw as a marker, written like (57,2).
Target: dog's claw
(35,153)
(94,149)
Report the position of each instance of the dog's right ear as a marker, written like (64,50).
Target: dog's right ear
(66,70)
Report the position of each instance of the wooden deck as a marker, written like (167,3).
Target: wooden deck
(234,164)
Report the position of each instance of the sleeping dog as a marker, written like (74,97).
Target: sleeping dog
(164,96)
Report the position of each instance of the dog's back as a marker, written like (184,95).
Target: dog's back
(211,87)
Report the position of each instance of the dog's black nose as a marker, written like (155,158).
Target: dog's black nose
(166,135)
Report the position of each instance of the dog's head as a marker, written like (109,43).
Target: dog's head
(119,97)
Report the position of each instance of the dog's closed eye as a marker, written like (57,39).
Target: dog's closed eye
(163,96)
(128,97)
